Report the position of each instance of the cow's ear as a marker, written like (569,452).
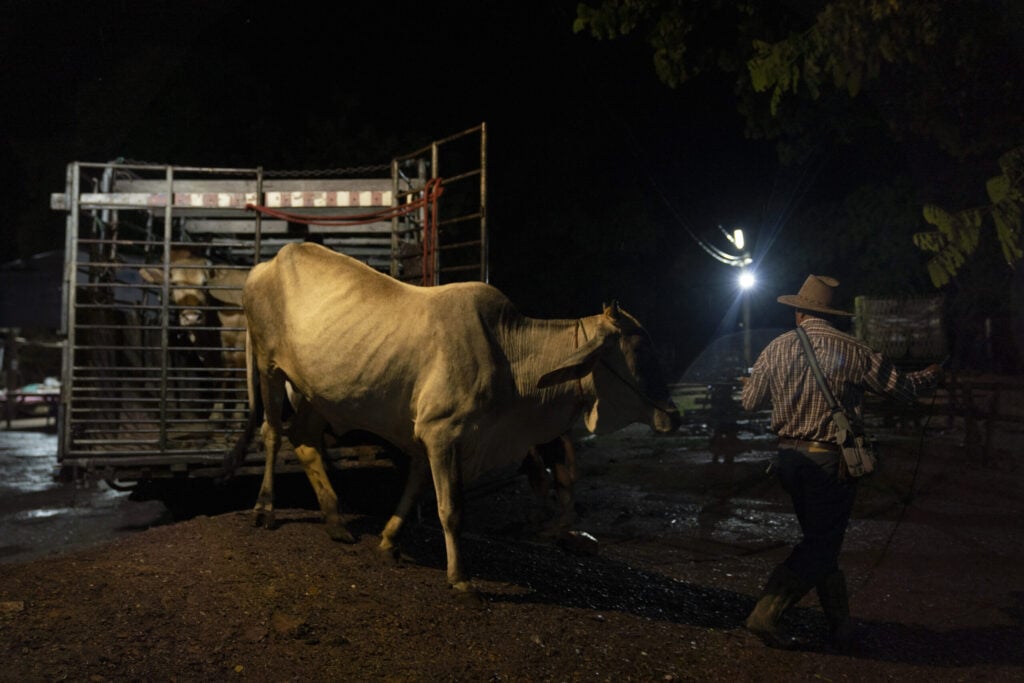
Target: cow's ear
(153,276)
(579,364)
(225,277)
(612,310)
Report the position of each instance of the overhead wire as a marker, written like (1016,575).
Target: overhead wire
(808,173)
(634,149)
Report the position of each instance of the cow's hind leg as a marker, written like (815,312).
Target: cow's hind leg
(307,435)
(263,511)
(272,390)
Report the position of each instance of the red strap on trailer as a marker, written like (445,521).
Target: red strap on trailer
(430,231)
(427,201)
(428,197)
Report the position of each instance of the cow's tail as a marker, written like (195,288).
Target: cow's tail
(236,456)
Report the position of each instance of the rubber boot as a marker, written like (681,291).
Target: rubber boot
(835,602)
(783,590)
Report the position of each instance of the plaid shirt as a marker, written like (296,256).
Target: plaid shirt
(799,408)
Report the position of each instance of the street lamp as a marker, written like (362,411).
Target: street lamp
(746,281)
(737,238)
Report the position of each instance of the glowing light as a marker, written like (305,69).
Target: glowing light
(737,238)
(747,279)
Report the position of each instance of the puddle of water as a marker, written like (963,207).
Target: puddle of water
(44,513)
(27,460)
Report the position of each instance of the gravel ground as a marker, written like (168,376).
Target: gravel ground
(670,545)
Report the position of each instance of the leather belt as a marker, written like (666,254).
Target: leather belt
(805,445)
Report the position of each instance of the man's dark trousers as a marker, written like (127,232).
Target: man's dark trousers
(823,503)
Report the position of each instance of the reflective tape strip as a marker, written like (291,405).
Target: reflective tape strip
(224,200)
(238,200)
(282,200)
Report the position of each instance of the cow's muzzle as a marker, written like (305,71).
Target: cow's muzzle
(191,317)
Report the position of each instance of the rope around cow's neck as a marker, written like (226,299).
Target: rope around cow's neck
(581,402)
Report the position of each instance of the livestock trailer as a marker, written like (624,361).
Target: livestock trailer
(150,397)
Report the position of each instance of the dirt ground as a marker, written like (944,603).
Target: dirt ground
(683,537)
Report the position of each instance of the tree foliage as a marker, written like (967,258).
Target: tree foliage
(930,69)
(939,74)
(958,233)
(676,31)
(848,44)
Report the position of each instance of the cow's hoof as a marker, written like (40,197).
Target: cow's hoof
(339,533)
(467,596)
(389,554)
(263,518)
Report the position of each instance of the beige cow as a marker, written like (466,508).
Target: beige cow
(196,284)
(453,375)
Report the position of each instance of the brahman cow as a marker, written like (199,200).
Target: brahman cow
(452,375)
(195,285)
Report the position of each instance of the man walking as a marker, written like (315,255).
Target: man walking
(809,459)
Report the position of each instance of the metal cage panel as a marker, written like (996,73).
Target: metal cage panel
(153,379)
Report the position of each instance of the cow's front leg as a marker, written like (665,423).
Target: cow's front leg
(447,472)
(313,464)
(218,412)
(233,404)
(563,472)
(418,469)
(307,435)
(551,467)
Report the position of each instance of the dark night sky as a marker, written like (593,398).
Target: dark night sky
(580,131)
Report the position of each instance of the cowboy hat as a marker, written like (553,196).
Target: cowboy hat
(815,295)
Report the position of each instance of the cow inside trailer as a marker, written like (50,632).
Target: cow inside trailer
(152,390)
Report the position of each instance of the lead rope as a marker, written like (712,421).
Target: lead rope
(630,385)
(905,502)
(580,401)
(579,380)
